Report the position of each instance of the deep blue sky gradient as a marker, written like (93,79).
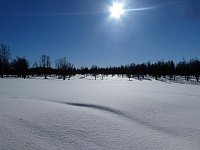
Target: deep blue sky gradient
(82,30)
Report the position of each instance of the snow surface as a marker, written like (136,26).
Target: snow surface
(88,114)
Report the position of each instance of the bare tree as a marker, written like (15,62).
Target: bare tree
(45,64)
(45,61)
(35,65)
(4,58)
(94,71)
(63,67)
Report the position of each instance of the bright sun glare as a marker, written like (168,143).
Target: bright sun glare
(116,10)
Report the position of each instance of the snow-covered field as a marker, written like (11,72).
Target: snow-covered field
(113,113)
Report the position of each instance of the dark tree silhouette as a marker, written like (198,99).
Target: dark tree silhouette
(64,67)
(4,59)
(194,66)
(84,71)
(182,69)
(94,71)
(20,67)
(45,64)
(170,69)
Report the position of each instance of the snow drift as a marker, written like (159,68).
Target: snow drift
(113,113)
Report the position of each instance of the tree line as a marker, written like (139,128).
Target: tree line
(20,67)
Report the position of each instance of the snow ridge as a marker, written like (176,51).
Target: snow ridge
(147,124)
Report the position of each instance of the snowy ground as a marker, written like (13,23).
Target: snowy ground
(113,113)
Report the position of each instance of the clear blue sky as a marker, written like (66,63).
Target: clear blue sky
(83,32)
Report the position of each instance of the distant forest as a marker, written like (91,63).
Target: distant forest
(20,67)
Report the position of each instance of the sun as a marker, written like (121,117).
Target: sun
(116,10)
